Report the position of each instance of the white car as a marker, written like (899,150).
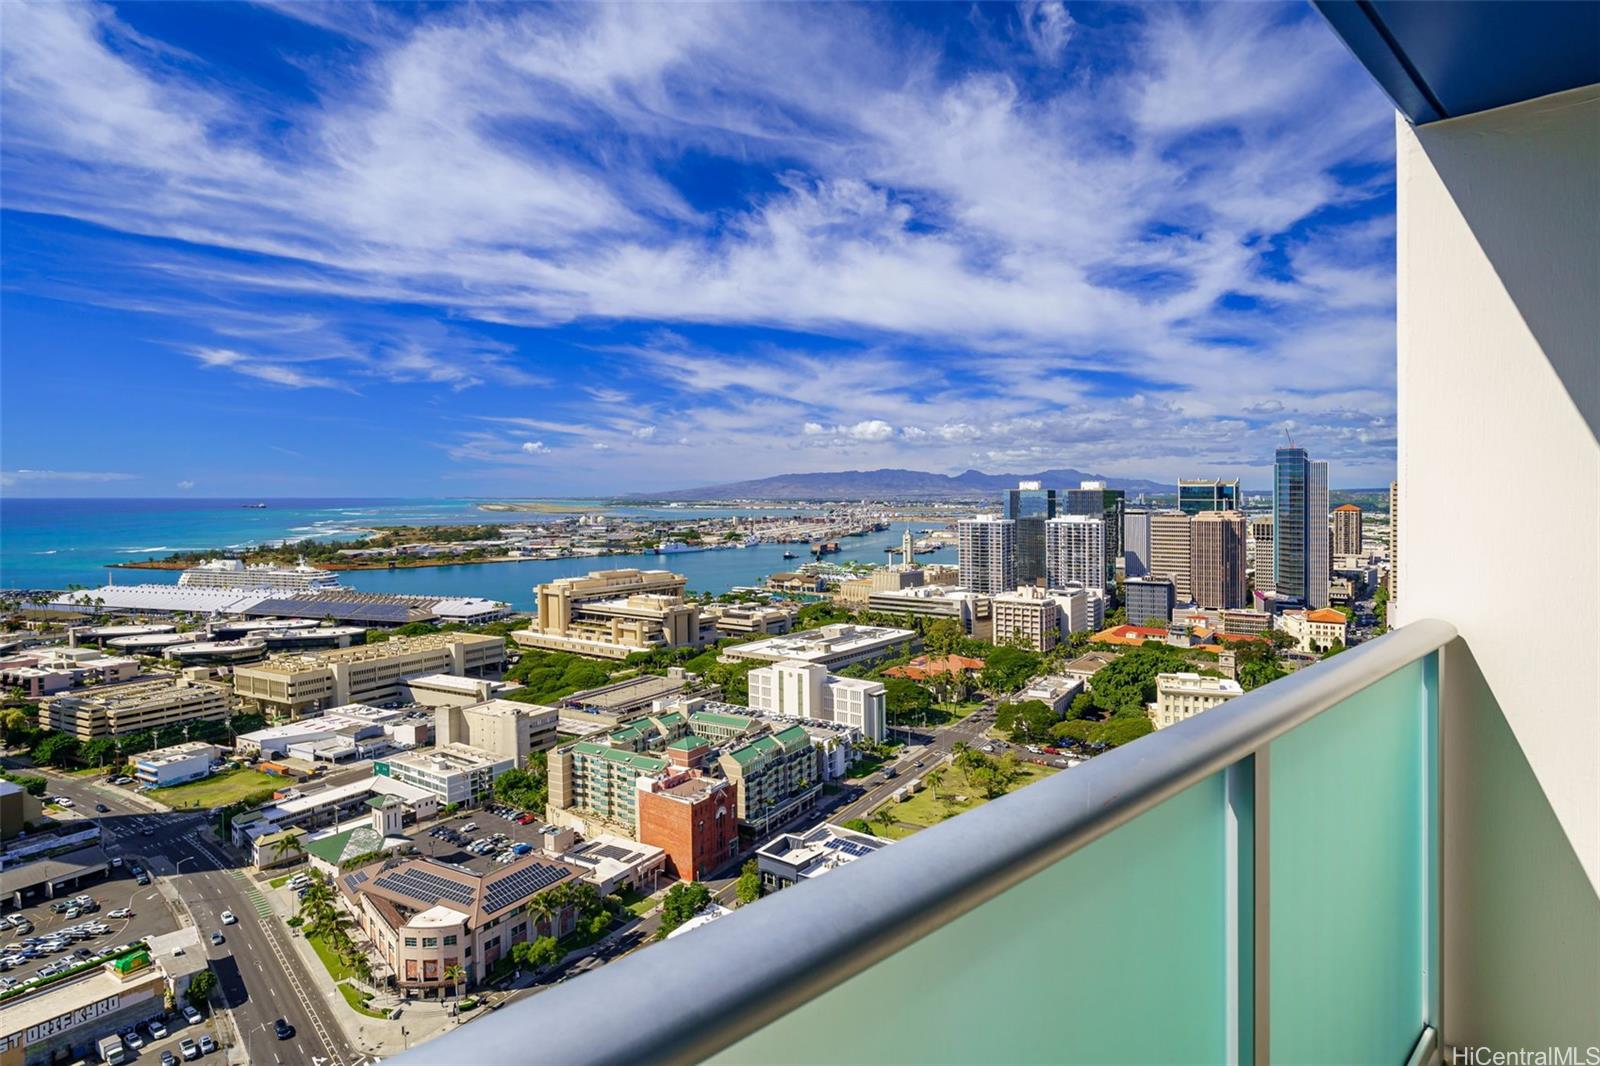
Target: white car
(120,912)
(63,801)
(228,918)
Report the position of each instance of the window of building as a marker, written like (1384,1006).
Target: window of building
(450,941)
(411,941)
(430,941)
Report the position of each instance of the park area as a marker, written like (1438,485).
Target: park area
(218,790)
(947,792)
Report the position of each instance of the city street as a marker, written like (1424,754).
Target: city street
(259,978)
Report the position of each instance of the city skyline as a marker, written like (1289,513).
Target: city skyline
(685,245)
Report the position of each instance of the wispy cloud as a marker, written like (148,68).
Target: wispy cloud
(10,478)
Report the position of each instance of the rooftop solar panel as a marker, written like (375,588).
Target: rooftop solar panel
(519,885)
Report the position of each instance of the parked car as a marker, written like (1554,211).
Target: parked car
(133,1039)
(157,1028)
(188,1049)
(207,1045)
(64,801)
(168,1059)
(122,780)
(120,912)
(191,1015)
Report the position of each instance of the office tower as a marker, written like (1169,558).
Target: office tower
(1261,551)
(1136,543)
(1075,549)
(1169,550)
(1030,506)
(1149,600)
(1217,559)
(988,549)
(1300,563)
(1094,499)
(1347,530)
(1394,544)
(1195,497)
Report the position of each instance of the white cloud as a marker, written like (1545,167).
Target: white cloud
(645,432)
(1048,28)
(185,485)
(600,446)
(534,447)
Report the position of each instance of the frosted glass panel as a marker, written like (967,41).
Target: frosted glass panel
(1350,833)
(1118,953)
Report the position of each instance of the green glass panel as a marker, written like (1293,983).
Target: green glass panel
(1350,833)
(1118,953)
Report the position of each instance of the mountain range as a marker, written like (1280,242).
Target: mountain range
(894,484)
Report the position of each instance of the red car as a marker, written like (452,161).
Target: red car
(526,819)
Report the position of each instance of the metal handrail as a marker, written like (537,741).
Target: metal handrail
(686,999)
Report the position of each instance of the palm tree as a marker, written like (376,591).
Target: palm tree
(282,846)
(455,975)
(542,911)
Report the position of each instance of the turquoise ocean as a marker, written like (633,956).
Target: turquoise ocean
(53,543)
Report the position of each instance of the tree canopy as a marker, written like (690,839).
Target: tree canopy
(683,901)
(1007,669)
(1027,722)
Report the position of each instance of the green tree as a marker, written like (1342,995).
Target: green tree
(99,752)
(537,953)
(944,637)
(1028,722)
(683,901)
(200,986)
(57,749)
(456,977)
(1008,669)
(748,889)
(860,825)
(906,701)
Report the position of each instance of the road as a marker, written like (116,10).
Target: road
(260,977)
(939,743)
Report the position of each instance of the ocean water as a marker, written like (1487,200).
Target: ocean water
(54,543)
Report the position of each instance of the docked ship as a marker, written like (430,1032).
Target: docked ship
(234,574)
(673,547)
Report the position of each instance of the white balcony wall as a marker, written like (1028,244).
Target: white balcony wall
(1499,470)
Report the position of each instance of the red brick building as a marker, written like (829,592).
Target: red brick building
(694,819)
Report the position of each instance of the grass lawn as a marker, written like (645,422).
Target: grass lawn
(958,711)
(923,810)
(279,882)
(330,959)
(358,1001)
(637,902)
(218,790)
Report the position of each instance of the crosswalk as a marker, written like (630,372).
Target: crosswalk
(257,899)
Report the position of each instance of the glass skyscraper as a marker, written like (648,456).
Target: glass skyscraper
(1094,499)
(1030,506)
(1300,561)
(1197,496)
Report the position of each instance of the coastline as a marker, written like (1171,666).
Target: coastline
(384,564)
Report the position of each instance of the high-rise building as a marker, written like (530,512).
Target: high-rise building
(1075,549)
(1261,551)
(1196,497)
(1031,615)
(1094,499)
(1030,506)
(988,550)
(1347,530)
(1394,543)
(1148,599)
(1300,560)
(1169,550)
(1217,559)
(1136,543)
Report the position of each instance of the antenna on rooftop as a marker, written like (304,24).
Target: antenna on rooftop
(1287,436)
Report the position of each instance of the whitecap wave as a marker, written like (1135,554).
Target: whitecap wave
(146,551)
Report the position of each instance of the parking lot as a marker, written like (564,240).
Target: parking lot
(186,1025)
(450,841)
(148,915)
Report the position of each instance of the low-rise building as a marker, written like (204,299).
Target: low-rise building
(1056,692)
(61,1021)
(1028,615)
(43,671)
(617,864)
(1313,631)
(693,818)
(434,690)
(1183,695)
(292,686)
(973,610)
(790,858)
(777,776)
(1085,666)
(455,773)
(364,729)
(136,708)
(611,614)
(832,646)
(426,918)
(293,808)
(176,764)
(747,620)
(794,689)
(500,727)
(1149,600)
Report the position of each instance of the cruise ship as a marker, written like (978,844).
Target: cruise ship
(234,574)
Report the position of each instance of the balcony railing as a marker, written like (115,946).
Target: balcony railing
(1258,883)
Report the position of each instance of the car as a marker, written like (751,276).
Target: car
(470,827)
(191,1015)
(122,780)
(283,1029)
(147,832)
(133,1039)
(64,802)
(120,912)
(207,1045)
(82,953)
(168,1059)
(217,938)
(157,1028)
(73,913)
(142,879)
(116,862)
(228,918)
(188,1049)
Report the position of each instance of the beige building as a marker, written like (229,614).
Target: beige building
(1346,521)
(1394,546)
(295,685)
(1217,559)
(1180,696)
(610,614)
(1261,552)
(135,708)
(1170,550)
(1313,631)
(719,620)
(1029,614)
(500,727)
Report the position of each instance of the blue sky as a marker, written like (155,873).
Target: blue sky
(511,249)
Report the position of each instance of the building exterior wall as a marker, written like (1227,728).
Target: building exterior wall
(1181,696)
(135,708)
(1169,549)
(1147,598)
(1217,562)
(988,548)
(700,834)
(1075,547)
(1346,529)
(1136,543)
(1030,615)
(1499,219)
